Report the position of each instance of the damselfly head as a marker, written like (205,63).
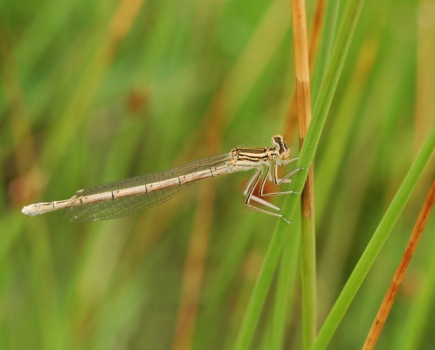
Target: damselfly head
(282,149)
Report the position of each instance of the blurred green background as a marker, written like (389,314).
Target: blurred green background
(95,91)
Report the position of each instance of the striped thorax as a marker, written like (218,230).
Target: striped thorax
(249,158)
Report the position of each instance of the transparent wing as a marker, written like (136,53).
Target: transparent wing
(119,207)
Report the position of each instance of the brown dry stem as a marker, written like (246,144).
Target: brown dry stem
(308,261)
(393,289)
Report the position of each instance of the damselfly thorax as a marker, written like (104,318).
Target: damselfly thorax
(132,195)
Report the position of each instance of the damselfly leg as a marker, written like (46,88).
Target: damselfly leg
(249,194)
(260,177)
(275,180)
(274,176)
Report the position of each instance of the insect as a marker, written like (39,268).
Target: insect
(125,197)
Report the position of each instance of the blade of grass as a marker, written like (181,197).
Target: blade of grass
(342,231)
(334,152)
(290,255)
(316,30)
(326,44)
(393,289)
(285,287)
(260,290)
(305,158)
(292,112)
(308,247)
(216,288)
(379,237)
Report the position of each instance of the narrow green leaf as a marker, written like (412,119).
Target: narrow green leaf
(306,156)
(373,248)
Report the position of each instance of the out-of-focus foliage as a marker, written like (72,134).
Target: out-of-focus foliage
(94,91)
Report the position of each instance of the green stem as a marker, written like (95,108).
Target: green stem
(285,287)
(308,282)
(373,248)
(306,156)
(326,44)
(260,289)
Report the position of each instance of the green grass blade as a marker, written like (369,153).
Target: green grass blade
(285,287)
(305,159)
(373,248)
(325,47)
(261,288)
(308,281)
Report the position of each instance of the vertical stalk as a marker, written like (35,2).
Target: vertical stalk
(308,251)
(393,289)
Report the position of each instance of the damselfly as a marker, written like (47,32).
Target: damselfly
(120,198)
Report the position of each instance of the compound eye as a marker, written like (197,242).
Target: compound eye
(277,139)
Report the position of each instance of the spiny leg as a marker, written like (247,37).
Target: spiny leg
(273,175)
(277,182)
(261,201)
(251,180)
(249,190)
